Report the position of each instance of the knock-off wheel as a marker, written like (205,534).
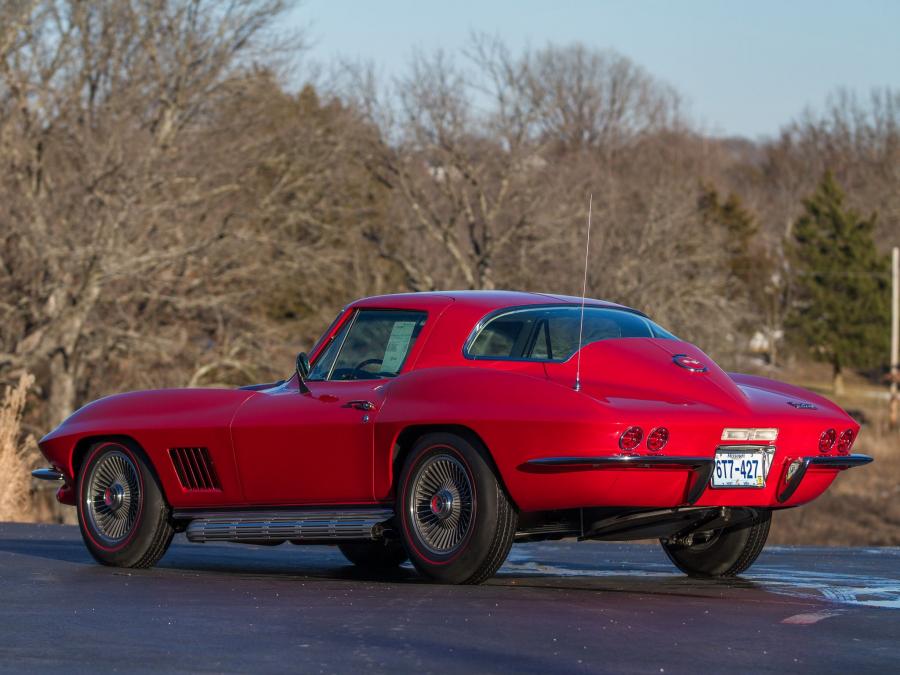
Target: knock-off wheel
(442,503)
(456,520)
(123,516)
(113,497)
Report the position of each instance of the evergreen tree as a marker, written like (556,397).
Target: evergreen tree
(739,227)
(751,282)
(841,283)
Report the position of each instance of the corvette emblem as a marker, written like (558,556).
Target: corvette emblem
(802,405)
(689,363)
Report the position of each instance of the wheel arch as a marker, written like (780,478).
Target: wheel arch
(83,446)
(410,434)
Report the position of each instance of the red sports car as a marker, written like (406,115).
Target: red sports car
(443,427)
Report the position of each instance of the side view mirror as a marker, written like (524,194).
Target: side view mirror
(302,367)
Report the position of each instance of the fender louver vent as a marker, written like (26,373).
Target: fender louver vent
(195,469)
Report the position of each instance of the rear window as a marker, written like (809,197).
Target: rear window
(551,333)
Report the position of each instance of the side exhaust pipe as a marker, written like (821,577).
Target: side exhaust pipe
(307,526)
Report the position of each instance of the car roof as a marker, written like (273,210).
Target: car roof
(485,300)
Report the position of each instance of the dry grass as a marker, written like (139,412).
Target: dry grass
(17,457)
(862,507)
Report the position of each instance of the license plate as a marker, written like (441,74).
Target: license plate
(739,469)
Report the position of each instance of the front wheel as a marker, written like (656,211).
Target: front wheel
(722,553)
(123,516)
(456,521)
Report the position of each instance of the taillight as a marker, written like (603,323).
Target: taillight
(845,442)
(631,438)
(827,439)
(657,439)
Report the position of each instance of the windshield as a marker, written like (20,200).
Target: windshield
(551,333)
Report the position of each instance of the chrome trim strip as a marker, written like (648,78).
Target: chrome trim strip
(701,467)
(839,463)
(622,461)
(287,525)
(47,474)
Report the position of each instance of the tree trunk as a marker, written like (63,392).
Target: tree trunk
(773,348)
(61,400)
(838,381)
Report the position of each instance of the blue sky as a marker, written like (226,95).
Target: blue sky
(743,67)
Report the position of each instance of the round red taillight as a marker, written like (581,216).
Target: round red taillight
(657,439)
(631,438)
(845,442)
(827,439)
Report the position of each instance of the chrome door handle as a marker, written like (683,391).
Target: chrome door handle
(361,405)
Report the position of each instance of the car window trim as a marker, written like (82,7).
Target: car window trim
(340,348)
(322,343)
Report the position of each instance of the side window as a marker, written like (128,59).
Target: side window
(504,337)
(374,345)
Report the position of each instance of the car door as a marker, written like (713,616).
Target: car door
(317,447)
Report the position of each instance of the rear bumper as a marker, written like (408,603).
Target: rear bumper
(669,482)
(700,467)
(795,471)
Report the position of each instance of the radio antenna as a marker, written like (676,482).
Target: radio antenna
(587,252)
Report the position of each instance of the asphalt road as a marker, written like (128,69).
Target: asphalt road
(557,607)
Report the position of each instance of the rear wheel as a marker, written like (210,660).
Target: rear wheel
(457,522)
(378,556)
(722,553)
(123,516)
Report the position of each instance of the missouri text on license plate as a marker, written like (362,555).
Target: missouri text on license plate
(739,469)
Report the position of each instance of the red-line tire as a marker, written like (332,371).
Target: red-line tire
(143,541)
(473,553)
(730,552)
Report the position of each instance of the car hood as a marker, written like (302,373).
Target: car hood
(153,408)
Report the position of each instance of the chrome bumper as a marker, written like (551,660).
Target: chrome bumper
(796,470)
(47,474)
(701,467)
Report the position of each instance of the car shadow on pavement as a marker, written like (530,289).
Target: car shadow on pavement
(51,549)
(325,564)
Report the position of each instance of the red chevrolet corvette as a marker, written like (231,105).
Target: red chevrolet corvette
(443,427)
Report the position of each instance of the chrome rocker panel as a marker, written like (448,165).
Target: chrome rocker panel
(312,525)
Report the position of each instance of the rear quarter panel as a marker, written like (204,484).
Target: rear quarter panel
(518,415)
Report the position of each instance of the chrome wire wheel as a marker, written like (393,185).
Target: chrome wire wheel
(113,497)
(442,505)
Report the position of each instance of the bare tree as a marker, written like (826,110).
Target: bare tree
(101,102)
(456,150)
(597,99)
